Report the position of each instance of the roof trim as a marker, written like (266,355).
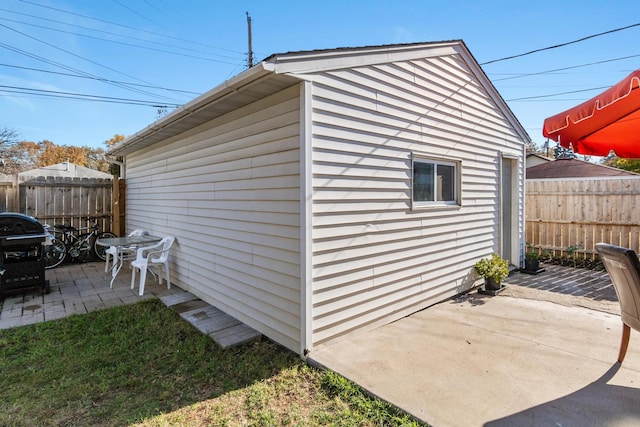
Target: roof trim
(162,126)
(332,59)
(279,71)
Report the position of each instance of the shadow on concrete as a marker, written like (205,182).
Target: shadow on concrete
(609,405)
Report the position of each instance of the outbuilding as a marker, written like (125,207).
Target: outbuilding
(574,168)
(324,192)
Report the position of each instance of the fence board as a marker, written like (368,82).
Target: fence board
(582,212)
(58,200)
(8,193)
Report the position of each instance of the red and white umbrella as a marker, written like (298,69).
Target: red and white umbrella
(608,121)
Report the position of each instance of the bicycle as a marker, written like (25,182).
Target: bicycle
(74,243)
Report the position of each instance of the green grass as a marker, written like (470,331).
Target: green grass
(143,365)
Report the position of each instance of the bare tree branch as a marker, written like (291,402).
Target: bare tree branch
(8,136)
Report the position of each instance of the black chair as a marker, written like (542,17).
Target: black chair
(624,269)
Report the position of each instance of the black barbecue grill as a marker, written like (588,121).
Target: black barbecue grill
(21,253)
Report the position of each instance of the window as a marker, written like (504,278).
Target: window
(435,182)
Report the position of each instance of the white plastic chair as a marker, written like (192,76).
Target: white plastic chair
(126,253)
(155,256)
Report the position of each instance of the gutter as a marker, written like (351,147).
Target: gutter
(225,89)
(112,160)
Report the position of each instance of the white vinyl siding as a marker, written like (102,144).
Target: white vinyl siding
(374,258)
(229,190)
(294,213)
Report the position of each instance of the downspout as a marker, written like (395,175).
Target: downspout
(115,199)
(306,225)
(121,165)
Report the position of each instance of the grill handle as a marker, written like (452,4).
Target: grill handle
(27,236)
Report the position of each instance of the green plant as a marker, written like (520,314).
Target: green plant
(572,254)
(493,267)
(531,254)
(571,250)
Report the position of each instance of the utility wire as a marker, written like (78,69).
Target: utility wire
(566,68)
(128,27)
(82,96)
(58,64)
(116,42)
(107,32)
(559,45)
(139,14)
(98,78)
(93,62)
(558,94)
(157,8)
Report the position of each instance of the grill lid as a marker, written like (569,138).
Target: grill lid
(16,224)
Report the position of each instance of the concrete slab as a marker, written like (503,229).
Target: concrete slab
(177,298)
(235,335)
(187,307)
(212,320)
(225,330)
(497,361)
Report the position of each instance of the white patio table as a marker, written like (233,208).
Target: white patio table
(127,242)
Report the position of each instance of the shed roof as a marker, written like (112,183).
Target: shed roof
(66,169)
(534,159)
(573,168)
(279,71)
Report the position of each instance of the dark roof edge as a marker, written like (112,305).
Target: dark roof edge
(347,50)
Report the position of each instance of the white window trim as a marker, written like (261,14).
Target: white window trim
(457,164)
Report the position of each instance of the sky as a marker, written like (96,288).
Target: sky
(78,72)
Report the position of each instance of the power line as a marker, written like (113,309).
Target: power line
(89,60)
(105,32)
(125,85)
(139,14)
(561,44)
(82,96)
(58,65)
(157,8)
(128,27)
(117,42)
(567,68)
(45,60)
(98,79)
(558,94)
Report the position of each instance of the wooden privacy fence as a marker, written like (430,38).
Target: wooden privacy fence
(58,200)
(570,216)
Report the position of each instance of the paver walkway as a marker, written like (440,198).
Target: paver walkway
(81,288)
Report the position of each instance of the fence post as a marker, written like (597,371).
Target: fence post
(115,209)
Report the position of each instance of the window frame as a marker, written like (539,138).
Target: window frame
(435,161)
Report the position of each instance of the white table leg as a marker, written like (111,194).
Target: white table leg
(117,266)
